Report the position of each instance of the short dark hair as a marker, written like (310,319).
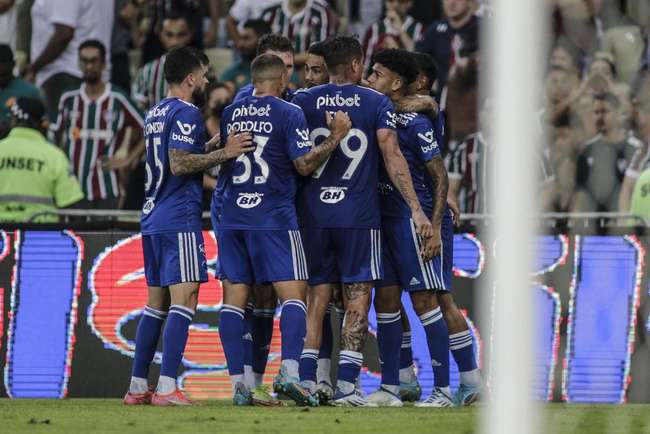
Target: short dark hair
(264,64)
(399,61)
(181,61)
(176,15)
(318,48)
(273,42)
(6,54)
(260,27)
(341,50)
(608,97)
(426,66)
(94,43)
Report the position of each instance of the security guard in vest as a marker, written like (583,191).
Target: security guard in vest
(35,175)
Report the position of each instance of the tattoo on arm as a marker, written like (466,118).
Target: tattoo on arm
(400,176)
(414,103)
(184,163)
(436,169)
(311,161)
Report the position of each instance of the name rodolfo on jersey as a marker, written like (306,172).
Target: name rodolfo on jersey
(248,125)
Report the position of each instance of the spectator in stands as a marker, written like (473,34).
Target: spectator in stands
(242,11)
(101,130)
(362,13)
(471,173)
(239,73)
(35,175)
(58,28)
(150,86)
(192,10)
(8,16)
(437,39)
(302,21)
(125,34)
(564,56)
(398,23)
(603,160)
(11,87)
(219,96)
(635,191)
(463,86)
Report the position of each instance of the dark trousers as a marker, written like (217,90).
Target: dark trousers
(121,71)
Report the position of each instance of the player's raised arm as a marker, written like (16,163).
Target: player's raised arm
(400,176)
(183,162)
(418,104)
(339,126)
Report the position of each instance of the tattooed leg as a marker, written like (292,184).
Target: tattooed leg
(355,323)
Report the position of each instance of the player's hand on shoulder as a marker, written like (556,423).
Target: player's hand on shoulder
(212,144)
(239,143)
(339,124)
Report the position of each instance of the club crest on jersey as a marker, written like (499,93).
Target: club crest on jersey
(148,206)
(338,101)
(332,195)
(249,200)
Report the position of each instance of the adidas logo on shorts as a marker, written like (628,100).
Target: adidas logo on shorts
(414,281)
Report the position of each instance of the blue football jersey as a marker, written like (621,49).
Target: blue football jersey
(172,203)
(419,145)
(249,90)
(258,189)
(342,193)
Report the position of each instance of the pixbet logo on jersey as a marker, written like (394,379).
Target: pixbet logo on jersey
(249,200)
(251,110)
(332,194)
(338,101)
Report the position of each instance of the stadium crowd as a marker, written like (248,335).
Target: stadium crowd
(597,98)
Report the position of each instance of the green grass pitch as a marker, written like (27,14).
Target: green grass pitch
(108,415)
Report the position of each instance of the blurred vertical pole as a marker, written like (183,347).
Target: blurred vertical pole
(516,46)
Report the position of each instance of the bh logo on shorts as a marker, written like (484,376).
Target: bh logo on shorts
(332,194)
(249,200)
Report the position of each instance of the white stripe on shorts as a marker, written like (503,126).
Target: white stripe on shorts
(195,254)
(298,256)
(181,257)
(426,272)
(375,252)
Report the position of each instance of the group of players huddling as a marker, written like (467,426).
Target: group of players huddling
(322,195)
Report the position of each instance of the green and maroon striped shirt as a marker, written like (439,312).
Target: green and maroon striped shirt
(150,87)
(376,31)
(312,24)
(89,131)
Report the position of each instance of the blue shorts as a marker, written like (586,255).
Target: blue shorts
(174,257)
(403,265)
(343,255)
(260,256)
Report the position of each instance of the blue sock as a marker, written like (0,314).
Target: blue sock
(326,337)
(146,340)
(247,336)
(435,328)
(406,354)
(349,366)
(293,326)
(175,338)
(308,365)
(262,334)
(389,340)
(231,330)
(462,348)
